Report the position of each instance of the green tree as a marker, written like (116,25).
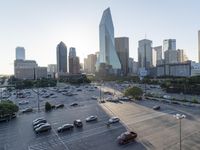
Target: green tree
(135,92)
(8,108)
(47,106)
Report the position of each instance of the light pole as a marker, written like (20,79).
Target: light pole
(179,117)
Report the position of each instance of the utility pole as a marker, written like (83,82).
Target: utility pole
(179,117)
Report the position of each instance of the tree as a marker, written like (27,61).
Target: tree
(135,92)
(7,108)
(47,106)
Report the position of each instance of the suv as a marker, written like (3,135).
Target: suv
(126,137)
(78,123)
(43,128)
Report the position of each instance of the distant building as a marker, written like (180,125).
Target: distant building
(28,69)
(184,69)
(122,48)
(89,63)
(74,64)
(199,45)
(52,69)
(170,53)
(20,53)
(145,54)
(181,56)
(169,44)
(61,51)
(133,67)
(108,55)
(158,53)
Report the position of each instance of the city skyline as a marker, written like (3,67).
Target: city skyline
(47,23)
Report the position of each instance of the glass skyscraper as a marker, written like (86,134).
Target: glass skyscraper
(108,54)
(61,58)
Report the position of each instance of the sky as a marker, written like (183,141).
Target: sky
(39,25)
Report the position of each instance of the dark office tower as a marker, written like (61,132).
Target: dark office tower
(74,65)
(122,48)
(199,44)
(61,51)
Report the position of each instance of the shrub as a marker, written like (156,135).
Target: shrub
(47,106)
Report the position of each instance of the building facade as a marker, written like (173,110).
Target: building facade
(61,52)
(170,53)
(122,48)
(181,56)
(145,54)
(20,53)
(158,55)
(199,45)
(28,69)
(74,64)
(89,63)
(52,69)
(107,53)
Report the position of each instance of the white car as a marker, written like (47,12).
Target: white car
(23,102)
(91,118)
(113,120)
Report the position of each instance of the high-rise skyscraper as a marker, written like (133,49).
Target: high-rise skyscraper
(199,44)
(145,54)
(89,63)
(74,65)
(61,58)
(158,53)
(108,55)
(169,44)
(122,48)
(181,56)
(72,52)
(20,53)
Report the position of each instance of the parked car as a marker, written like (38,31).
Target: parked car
(78,123)
(39,121)
(44,128)
(156,107)
(38,125)
(126,137)
(91,118)
(74,104)
(113,120)
(26,110)
(65,127)
(23,102)
(60,106)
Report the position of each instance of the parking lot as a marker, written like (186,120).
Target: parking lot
(18,134)
(155,129)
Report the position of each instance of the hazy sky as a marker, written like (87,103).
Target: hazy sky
(39,25)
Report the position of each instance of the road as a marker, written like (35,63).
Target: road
(158,129)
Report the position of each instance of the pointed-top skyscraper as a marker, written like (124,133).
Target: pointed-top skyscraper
(108,54)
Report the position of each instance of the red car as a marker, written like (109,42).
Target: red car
(126,137)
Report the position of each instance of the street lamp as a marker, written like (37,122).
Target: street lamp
(179,117)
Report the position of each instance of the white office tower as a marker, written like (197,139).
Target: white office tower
(20,53)
(108,54)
